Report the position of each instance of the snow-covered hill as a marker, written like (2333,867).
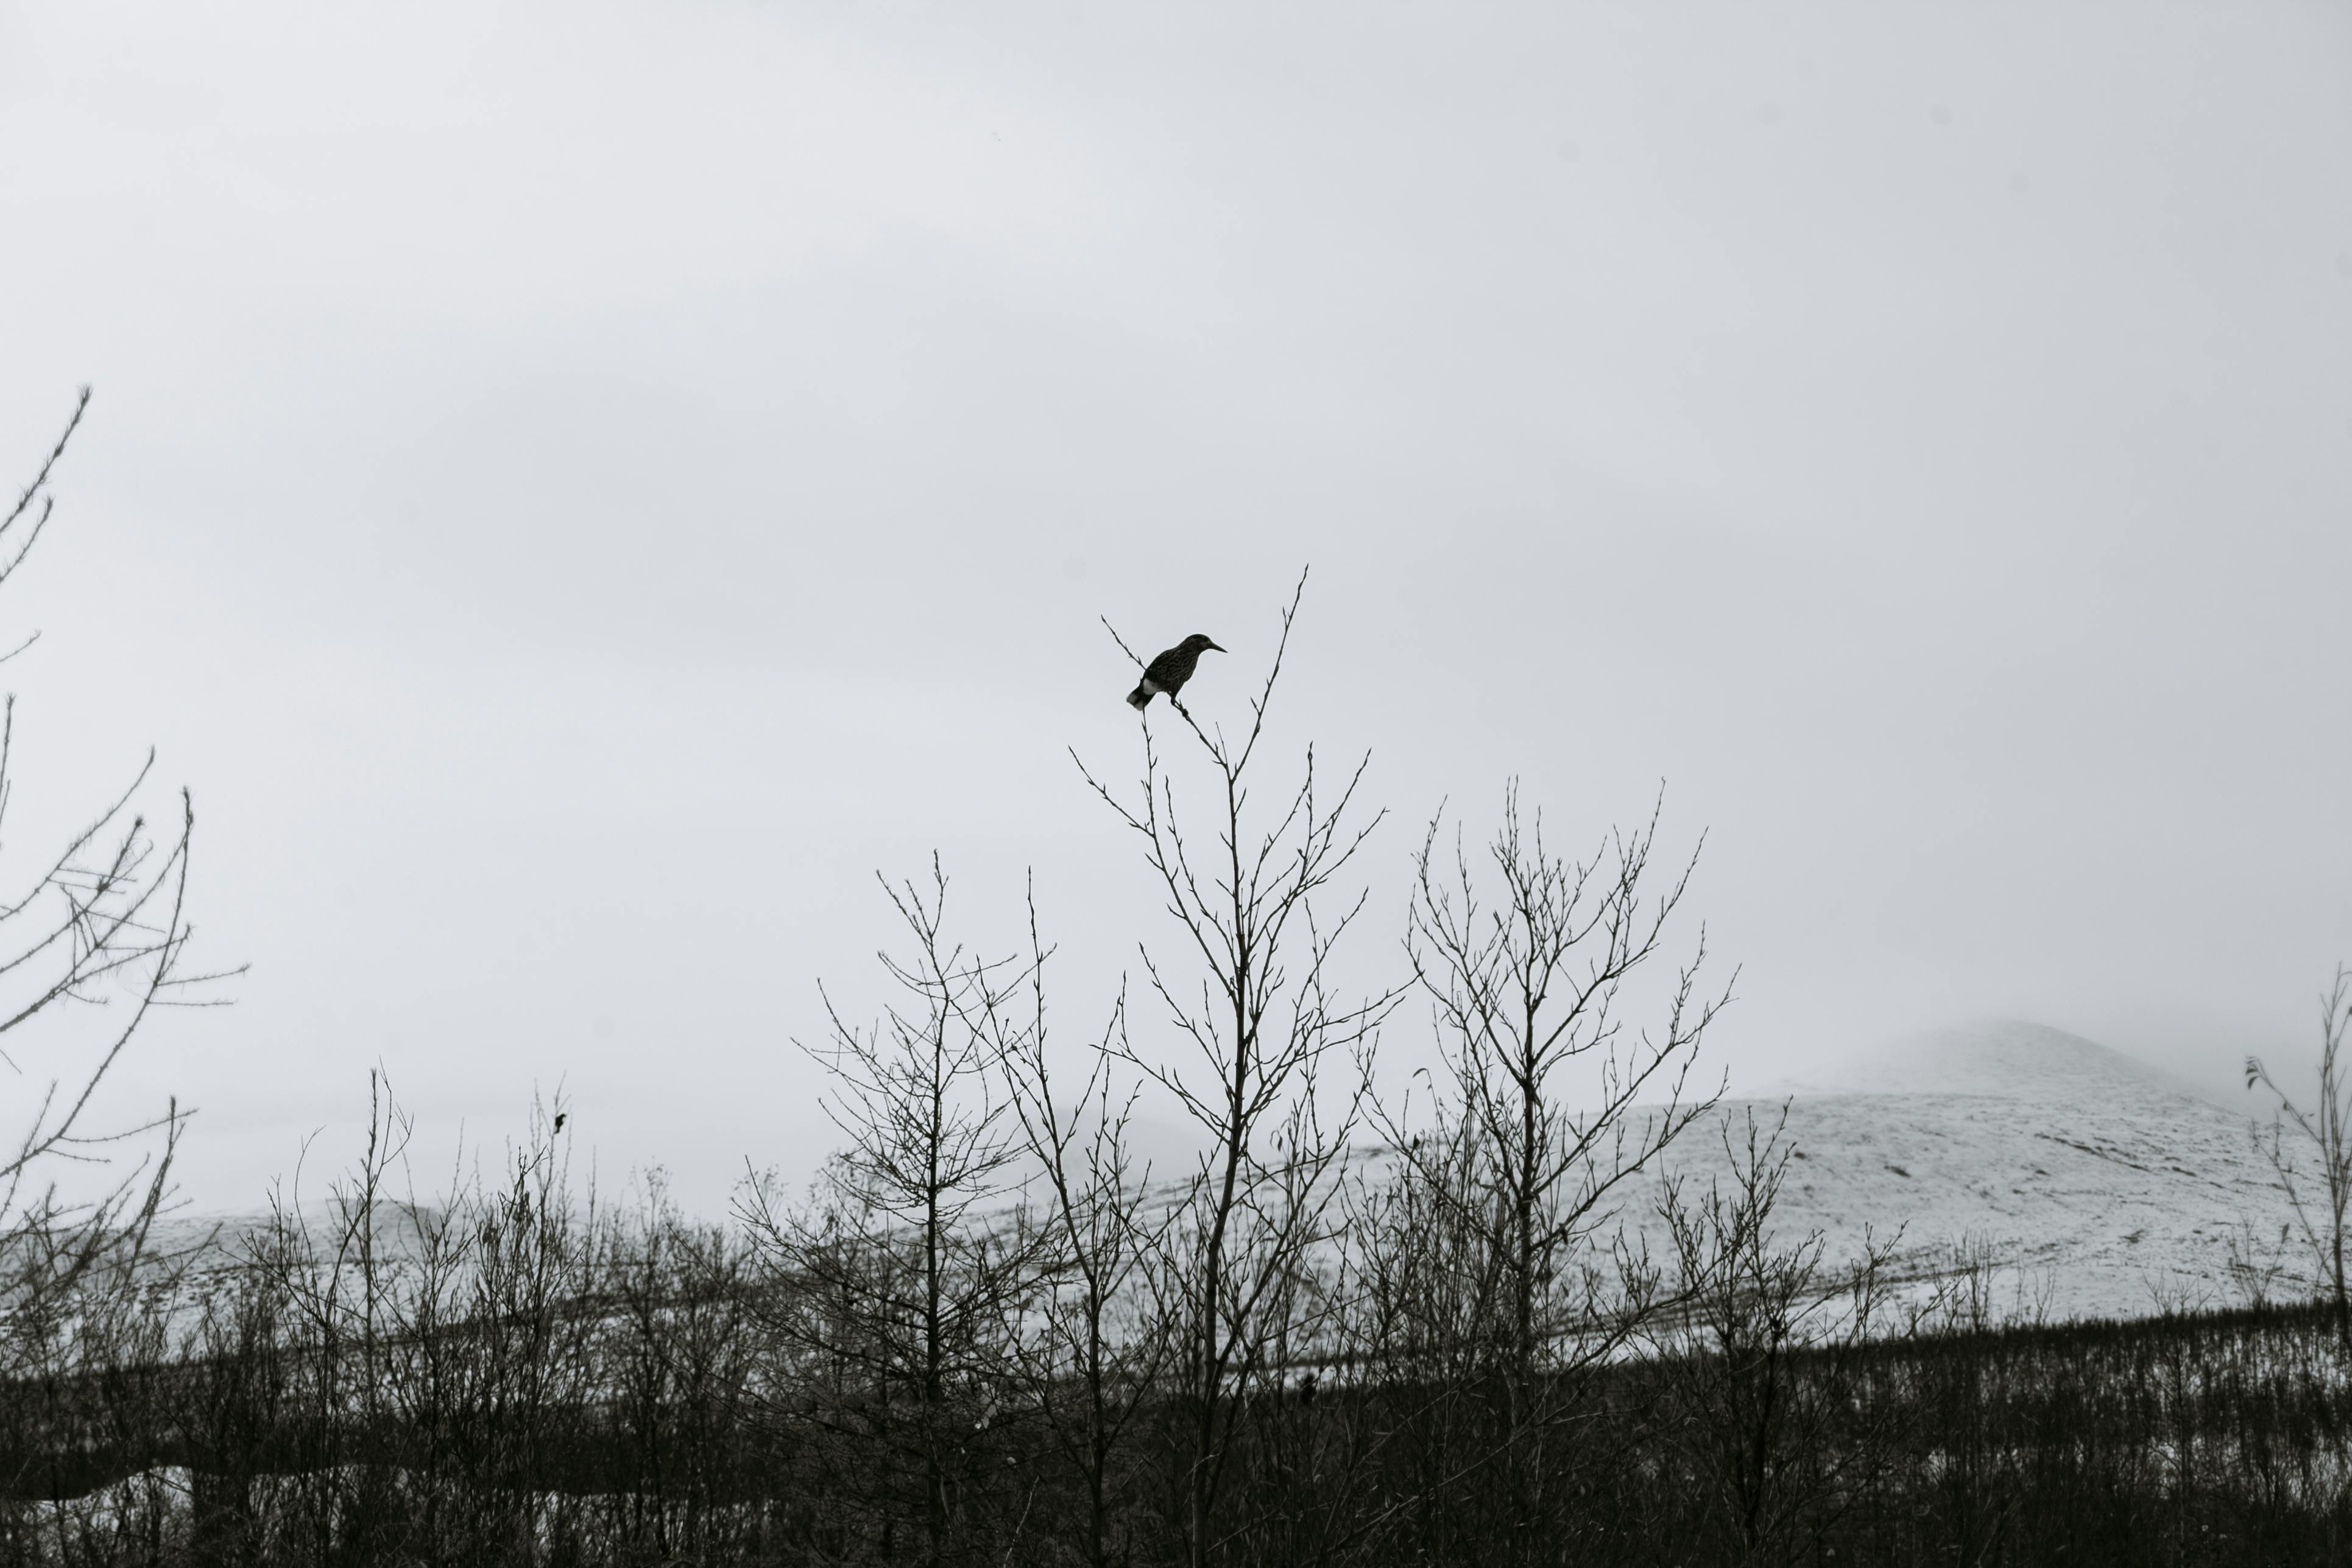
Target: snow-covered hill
(2102,1187)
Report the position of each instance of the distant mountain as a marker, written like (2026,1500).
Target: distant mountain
(2102,1186)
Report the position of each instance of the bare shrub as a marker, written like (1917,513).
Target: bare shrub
(2322,1200)
(1764,1353)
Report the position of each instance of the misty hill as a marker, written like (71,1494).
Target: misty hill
(2102,1186)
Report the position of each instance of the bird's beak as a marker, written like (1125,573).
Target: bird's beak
(1214,645)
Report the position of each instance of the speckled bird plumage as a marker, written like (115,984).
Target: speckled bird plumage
(1170,670)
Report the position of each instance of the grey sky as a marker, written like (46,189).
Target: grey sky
(577,487)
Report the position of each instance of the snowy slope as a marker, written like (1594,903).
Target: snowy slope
(2103,1188)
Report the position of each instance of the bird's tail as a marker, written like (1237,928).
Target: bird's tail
(1140,698)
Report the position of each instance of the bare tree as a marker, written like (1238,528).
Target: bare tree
(2322,1205)
(895,1285)
(93,939)
(1546,1108)
(1252,1008)
(1088,1360)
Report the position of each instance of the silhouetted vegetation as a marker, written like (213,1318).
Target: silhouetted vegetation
(516,1378)
(2322,1200)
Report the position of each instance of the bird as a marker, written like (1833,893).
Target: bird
(1170,670)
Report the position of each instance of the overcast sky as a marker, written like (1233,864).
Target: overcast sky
(577,488)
